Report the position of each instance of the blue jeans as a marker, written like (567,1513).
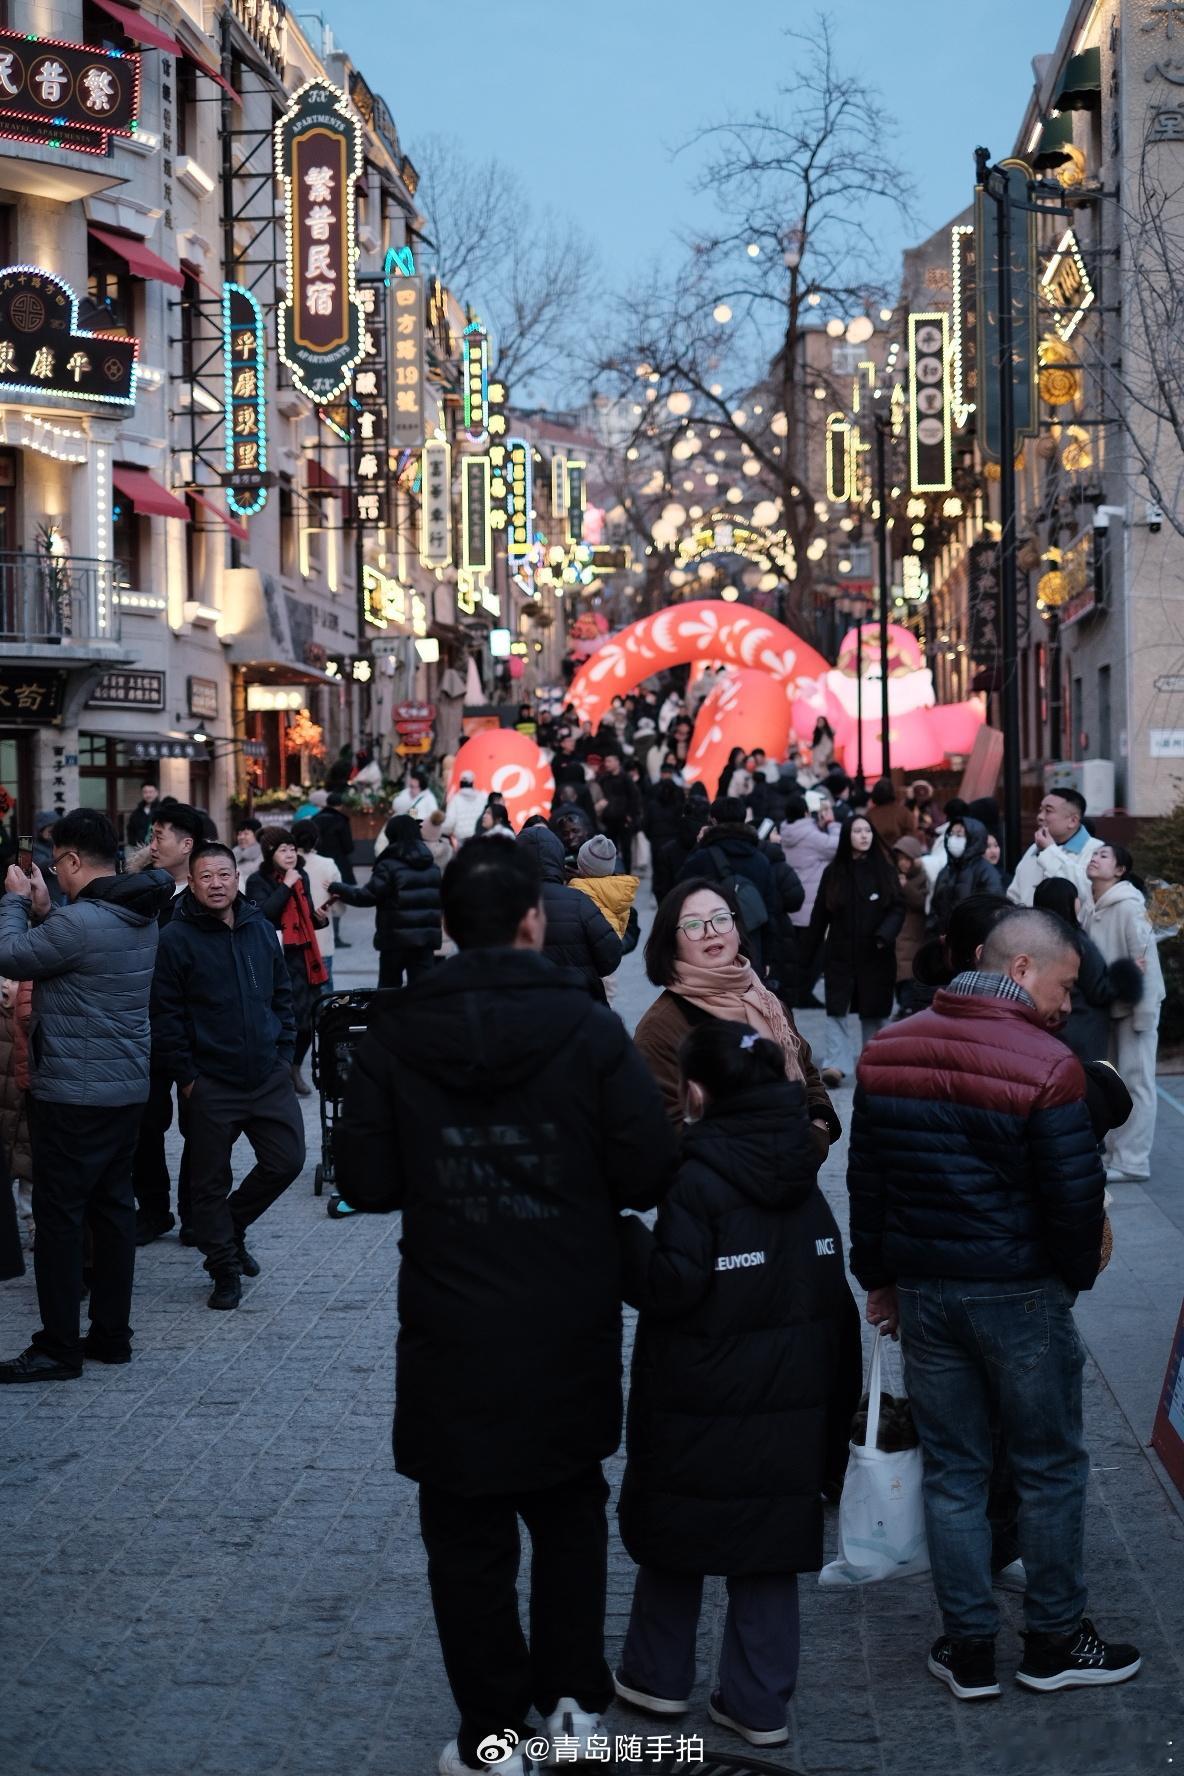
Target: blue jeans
(1008,1351)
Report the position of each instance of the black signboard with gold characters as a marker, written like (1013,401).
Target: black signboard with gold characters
(31,694)
(66,87)
(43,350)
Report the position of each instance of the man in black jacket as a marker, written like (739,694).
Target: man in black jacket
(335,840)
(510,1118)
(577,933)
(622,814)
(222,1026)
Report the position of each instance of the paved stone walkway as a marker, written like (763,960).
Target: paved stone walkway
(209,1568)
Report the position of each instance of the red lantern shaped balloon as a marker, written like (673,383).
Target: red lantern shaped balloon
(514,765)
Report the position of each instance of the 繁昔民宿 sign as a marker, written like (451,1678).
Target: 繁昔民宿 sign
(72,95)
(43,350)
(318,156)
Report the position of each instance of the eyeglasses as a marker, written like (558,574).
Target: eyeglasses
(696,929)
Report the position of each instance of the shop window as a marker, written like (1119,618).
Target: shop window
(99,29)
(188,109)
(109,779)
(112,293)
(128,541)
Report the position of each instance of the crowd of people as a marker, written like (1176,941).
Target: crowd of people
(500,1104)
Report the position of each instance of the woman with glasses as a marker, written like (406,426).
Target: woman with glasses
(698,953)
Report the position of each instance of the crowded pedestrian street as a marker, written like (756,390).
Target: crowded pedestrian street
(216,1570)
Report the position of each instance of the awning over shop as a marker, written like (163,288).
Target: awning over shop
(133,24)
(1081,87)
(321,481)
(232,524)
(273,672)
(1056,139)
(141,261)
(148,497)
(214,75)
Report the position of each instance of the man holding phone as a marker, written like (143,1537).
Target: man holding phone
(91,966)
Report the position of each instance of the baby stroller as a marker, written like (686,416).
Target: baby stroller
(340,1020)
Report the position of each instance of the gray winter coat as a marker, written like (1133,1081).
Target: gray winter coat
(91,966)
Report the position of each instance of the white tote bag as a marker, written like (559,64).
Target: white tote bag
(881,1513)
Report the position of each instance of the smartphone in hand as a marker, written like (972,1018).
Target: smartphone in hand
(24,853)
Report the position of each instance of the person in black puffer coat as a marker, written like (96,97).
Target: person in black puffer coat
(1099,984)
(664,806)
(405,887)
(746,1371)
(857,917)
(966,872)
(578,934)
(783,942)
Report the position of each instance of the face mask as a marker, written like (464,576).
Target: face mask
(955,847)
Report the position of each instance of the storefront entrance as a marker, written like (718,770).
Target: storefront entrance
(16,781)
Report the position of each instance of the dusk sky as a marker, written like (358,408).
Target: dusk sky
(588,103)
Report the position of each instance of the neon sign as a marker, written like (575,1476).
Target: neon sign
(435,517)
(245,381)
(476,530)
(1066,287)
(408,425)
(931,458)
(43,350)
(318,158)
(475,346)
(80,97)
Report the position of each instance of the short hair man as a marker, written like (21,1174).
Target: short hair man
(139,821)
(510,1119)
(976,1194)
(222,1026)
(176,829)
(1062,847)
(91,967)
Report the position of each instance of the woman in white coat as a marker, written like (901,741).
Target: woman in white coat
(1116,921)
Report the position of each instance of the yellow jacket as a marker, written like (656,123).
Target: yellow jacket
(613,895)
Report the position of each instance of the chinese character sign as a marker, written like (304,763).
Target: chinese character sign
(984,604)
(369,446)
(931,463)
(245,382)
(43,351)
(476,533)
(519,497)
(407,421)
(318,151)
(476,380)
(95,92)
(435,518)
(576,499)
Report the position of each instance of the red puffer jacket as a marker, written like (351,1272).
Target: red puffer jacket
(972,1153)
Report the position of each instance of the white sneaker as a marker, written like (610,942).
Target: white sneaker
(1011,1577)
(515,1763)
(1114,1176)
(569,1730)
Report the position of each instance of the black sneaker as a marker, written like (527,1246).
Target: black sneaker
(187,1236)
(248,1264)
(150,1227)
(966,1667)
(1075,1661)
(227,1291)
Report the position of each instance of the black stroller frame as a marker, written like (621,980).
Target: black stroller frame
(339,1021)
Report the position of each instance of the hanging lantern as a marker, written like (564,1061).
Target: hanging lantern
(1052,588)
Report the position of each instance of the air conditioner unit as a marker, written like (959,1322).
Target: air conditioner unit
(1091,778)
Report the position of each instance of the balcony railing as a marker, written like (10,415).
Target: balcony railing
(53,599)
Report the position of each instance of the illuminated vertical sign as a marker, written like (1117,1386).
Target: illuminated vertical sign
(435,517)
(408,428)
(576,491)
(964,316)
(318,159)
(559,486)
(475,348)
(244,362)
(931,458)
(369,443)
(476,531)
(519,497)
(838,459)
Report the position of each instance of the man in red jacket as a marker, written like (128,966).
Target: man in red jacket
(976,1217)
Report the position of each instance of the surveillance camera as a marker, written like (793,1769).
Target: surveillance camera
(1101,519)
(1154,518)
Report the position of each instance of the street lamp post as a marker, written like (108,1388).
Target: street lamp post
(882,424)
(996,182)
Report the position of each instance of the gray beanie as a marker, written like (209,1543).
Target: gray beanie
(597,856)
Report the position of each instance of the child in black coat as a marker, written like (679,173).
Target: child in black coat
(746,1371)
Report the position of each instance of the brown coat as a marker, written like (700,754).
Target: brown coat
(665,1027)
(914,889)
(892,820)
(14,1080)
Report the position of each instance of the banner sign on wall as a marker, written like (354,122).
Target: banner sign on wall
(43,350)
(476,531)
(435,518)
(369,447)
(244,350)
(408,414)
(318,158)
(87,94)
(931,460)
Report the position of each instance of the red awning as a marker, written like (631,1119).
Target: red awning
(148,497)
(134,25)
(321,481)
(233,525)
(213,74)
(141,260)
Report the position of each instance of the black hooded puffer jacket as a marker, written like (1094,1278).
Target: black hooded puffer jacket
(578,934)
(963,876)
(405,887)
